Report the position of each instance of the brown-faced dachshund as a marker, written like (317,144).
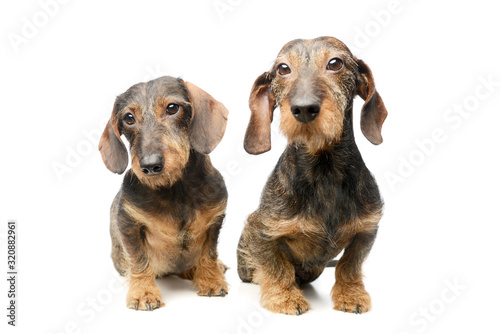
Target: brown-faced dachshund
(165,220)
(320,198)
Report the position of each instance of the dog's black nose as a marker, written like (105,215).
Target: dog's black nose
(152,164)
(305,112)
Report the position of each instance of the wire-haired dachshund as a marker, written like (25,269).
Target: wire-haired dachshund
(165,220)
(320,198)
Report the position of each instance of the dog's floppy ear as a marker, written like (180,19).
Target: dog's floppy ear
(258,134)
(373,112)
(209,119)
(113,151)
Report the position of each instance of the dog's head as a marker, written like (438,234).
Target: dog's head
(161,119)
(313,82)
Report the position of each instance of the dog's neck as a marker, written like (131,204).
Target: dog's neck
(339,161)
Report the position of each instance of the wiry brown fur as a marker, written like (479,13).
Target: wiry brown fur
(167,223)
(176,157)
(320,199)
(327,129)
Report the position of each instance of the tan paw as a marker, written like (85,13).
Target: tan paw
(213,288)
(351,297)
(209,278)
(144,298)
(287,301)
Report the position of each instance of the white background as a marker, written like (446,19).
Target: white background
(441,222)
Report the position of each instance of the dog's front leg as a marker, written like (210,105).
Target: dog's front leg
(276,277)
(348,293)
(208,272)
(274,273)
(143,293)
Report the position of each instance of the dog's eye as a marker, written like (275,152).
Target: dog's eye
(172,108)
(284,69)
(335,64)
(129,119)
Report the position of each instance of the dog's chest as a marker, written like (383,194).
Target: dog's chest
(175,242)
(321,198)
(172,245)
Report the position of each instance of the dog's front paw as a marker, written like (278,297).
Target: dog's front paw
(210,279)
(144,298)
(351,297)
(288,301)
(213,288)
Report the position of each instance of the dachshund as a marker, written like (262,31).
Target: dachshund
(165,220)
(320,198)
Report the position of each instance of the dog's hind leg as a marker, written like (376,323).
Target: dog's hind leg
(245,269)
(117,254)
